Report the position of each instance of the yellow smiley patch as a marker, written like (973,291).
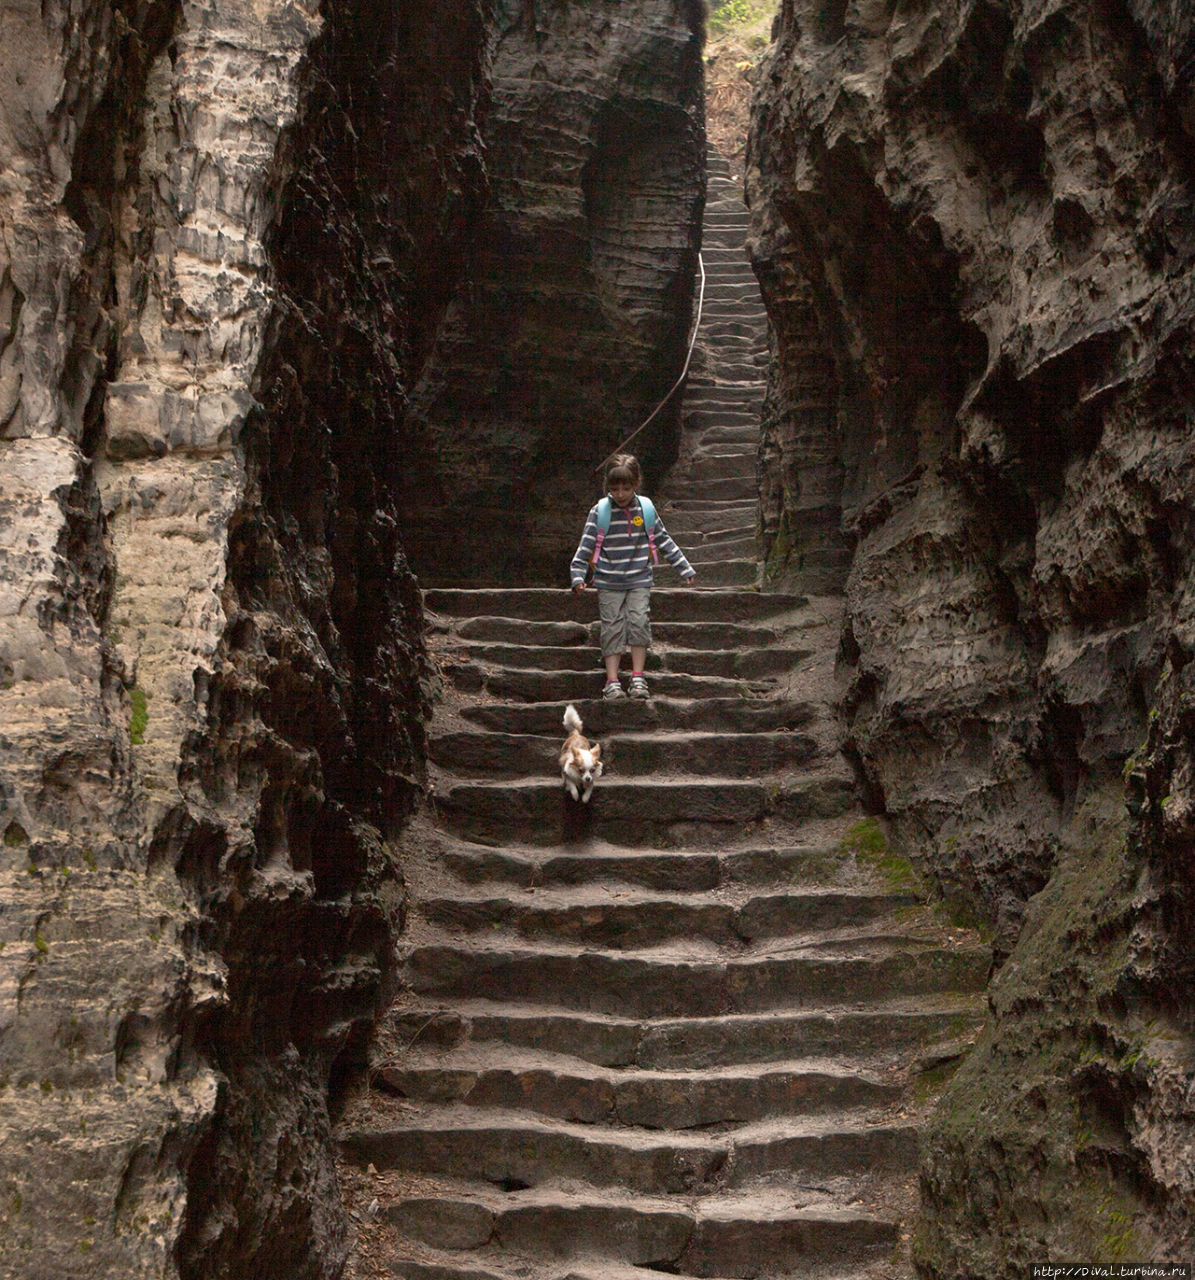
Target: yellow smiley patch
(637,520)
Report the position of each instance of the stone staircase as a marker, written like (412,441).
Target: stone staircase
(687,1028)
(710,499)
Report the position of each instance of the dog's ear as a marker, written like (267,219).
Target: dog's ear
(597,750)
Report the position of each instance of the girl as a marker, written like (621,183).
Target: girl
(622,572)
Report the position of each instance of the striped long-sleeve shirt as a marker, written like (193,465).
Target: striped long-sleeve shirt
(625,561)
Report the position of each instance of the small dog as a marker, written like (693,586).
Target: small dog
(580,759)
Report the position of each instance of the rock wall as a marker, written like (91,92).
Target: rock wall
(228,231)
(573,322)
(973,223)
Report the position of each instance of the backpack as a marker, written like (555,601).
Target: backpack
(603,516)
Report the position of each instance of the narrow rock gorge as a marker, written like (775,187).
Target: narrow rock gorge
(973,225)
(235,242)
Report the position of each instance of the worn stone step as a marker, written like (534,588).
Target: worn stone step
(567,686)
(506,1147)
(746,290)
(728,573)
(747,433)
(745,715)
(732,307)
(739,372)
(687,871)
(636,811)
(591,1236)
(888,1029)
(722,462)
(547,604)
(735,664)
(724,237)
(658,986)
(704,419)
(703,526)
(744,486)
(547,1085)
(589,917)
(728,549)
(689,635)
(732,398)
(625,755)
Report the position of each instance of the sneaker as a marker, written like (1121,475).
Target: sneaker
(613,691)
(639,687)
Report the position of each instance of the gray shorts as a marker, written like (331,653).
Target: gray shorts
(626,619)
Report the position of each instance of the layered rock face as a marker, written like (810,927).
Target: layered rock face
(574,321)
(975,229)
(228,235)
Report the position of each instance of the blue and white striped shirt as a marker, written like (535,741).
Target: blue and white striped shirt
(625,561)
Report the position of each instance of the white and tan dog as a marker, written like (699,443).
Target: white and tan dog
(580,759)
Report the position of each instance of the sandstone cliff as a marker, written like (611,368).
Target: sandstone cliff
(226,235)
(573,323)
(973,225)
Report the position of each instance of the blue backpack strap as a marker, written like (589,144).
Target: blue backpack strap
(602,513)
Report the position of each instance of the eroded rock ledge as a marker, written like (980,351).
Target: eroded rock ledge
(974,228)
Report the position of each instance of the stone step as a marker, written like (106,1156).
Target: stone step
(656,985)
(746,486)
(713,461)
(729,573)
(720,418)
(728,549)
(722,332)
(744,434)
(594,1236)
(547,1085)
(723,237)
(568,686)
(881,1032)
(731,664)
(685,871)
(698,527)
(552,605)
(728,309)
(713,253)
(687,635)
(641,920)
(712,506)
(640,811)
(505,1147)
(731,371)
(737,715)
(723,289)
(513,755)
(749,346)
(737,399)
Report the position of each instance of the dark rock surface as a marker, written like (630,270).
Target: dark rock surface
(973,227)
(574,319)
(227,237)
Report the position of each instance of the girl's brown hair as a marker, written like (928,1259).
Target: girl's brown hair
(623,466)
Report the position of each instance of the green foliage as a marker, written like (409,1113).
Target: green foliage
(140,717)
(15,835)
(40,945)
(726,16)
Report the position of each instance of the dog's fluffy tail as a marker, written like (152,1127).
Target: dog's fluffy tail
(572,721)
